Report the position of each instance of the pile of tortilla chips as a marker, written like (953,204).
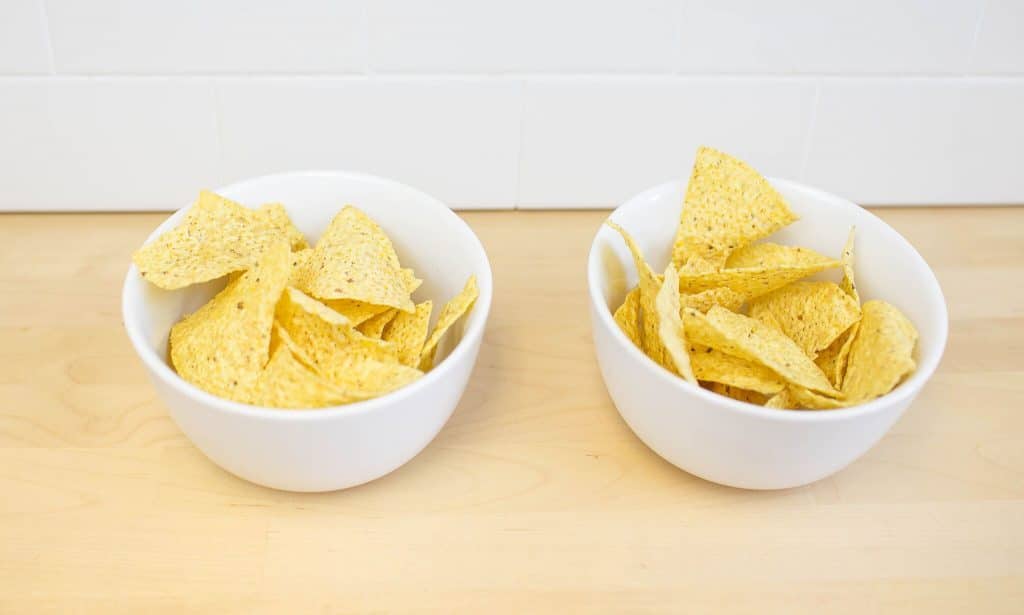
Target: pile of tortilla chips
(295,327)
(738,318)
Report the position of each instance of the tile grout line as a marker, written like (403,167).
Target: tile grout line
(46,35)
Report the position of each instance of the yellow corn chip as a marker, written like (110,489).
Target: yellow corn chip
(710,365)
(744,337)
(450,313)
(848,284)
(751,397)
(324,335)
(628,316)
(810,400)
(670,325)
(216,237)
(754,281)
(881,354)
(287,383)
(357,312)
(354,259)
(783,400)
(222,347)
(773,256)
(650,284)
(411,281)
(832,360)
(727,206)
(274,216)
(812,314)
(408,332)
(300,267)
(374,326)
(725,297)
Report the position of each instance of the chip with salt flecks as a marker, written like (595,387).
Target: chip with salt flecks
(287,383)
(848,283)
(750,339)
(881,354)
(354,259)
(769,255)
(751,397)
(716,366)
(217,237)
(650,284)
(374,326)
(323,334)
(300,267)
(274,216)
(408,332)
(725,297)
(812,314)
(670,325)
(627,316)
(222,347)
(832,360)
(727,206)
(456,307)
(750,282)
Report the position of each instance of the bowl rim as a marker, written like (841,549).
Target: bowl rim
(162,370)
(904,392)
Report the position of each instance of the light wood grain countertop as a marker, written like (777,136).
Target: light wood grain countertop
(535,496)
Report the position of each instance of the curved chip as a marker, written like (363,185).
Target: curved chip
(832,360)
(354,259)
(627,316)
(670,325)
(452,311)
(747,338)
(374,326)
(408,332)
(727,206)
(222,347)
(217,237)
(812,314)
(711,365)
(751,397)
(286,383)
(325,335)
(881,354)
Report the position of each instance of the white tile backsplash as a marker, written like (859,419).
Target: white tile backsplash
(1000,47)
(919,141)
(135,104)
(24,48)
(88,144)
(595,142)
(456,139)
(523,36)
(811,36)
(199,36)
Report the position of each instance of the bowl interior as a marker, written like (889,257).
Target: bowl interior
(886,265)
(427,235)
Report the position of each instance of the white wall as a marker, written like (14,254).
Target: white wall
(135,104)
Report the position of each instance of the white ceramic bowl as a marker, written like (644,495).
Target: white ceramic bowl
(331,448)
(740,444)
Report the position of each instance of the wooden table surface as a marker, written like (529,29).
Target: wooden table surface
(535,496)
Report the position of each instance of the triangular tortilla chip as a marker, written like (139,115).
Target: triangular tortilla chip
(627,316)
(374,326)
(274,216)
(286,383)
(751,397)
(711,365)
(848,285)
(812,314)
(670,325)
(881,354)
(458,306)
(408,332)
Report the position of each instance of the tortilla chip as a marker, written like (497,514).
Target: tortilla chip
(848,285)
(274,216)
(670,325)
(408,332)
(812,314)
(773,256)
(758,278)
(782,400)
(881,354)
(222,347)
(727,206)
(712,365)
(286,383)
(374,326)
(324,336)
(650,284)
(751,397)
(216,237)
(725,297)
(354,259)
(747,338)
(809,400)
(452,311)
(357,312)
(628,316)
(832,360)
